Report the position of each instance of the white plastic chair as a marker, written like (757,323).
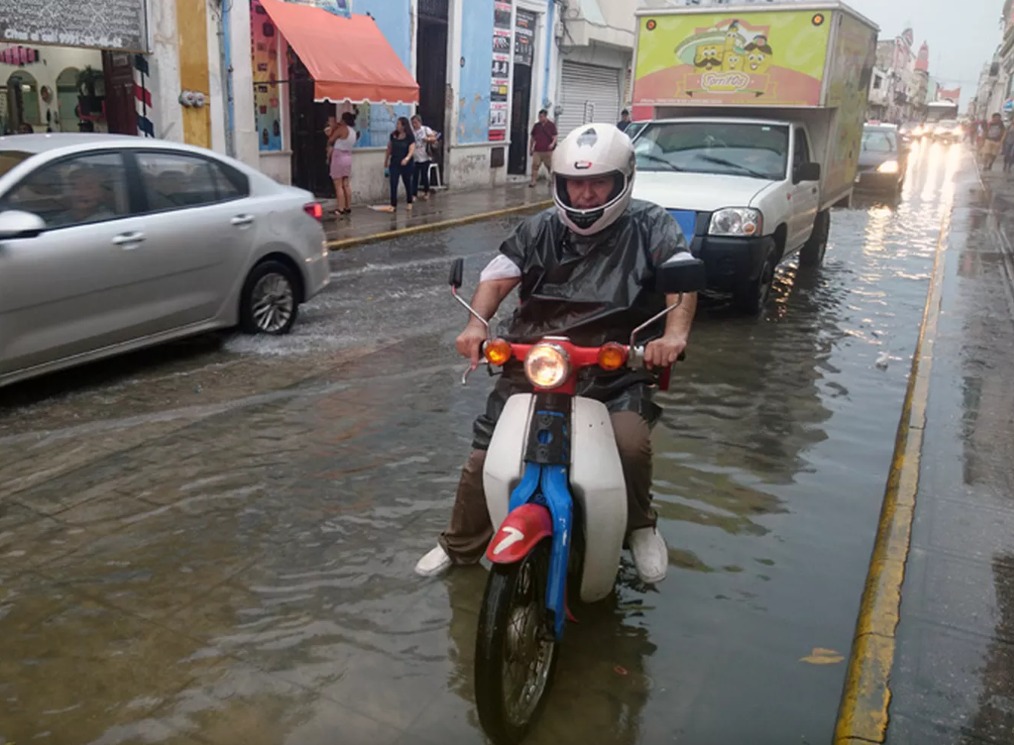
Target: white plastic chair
(434,174)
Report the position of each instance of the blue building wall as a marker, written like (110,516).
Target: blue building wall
(394,17)
(473,94)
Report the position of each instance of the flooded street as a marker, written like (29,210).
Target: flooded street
(213,542)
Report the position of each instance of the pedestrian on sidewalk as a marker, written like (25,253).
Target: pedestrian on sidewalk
(425,138)
(543,142)
(399,162)
(994,136)
(624,121)
(341,140)
(1007,147)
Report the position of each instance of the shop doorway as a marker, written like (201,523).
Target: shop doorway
(307,120)
(431,68)
(521,91)
(517,161)
(120,104)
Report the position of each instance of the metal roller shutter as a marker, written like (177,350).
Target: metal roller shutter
(588,93)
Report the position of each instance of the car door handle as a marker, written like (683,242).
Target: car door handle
(241,220)
(128,240)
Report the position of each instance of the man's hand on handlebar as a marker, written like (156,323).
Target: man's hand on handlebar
(664,351)
(469,342)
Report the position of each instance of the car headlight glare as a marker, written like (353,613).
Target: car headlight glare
(740,221)
(547,366)
(888,166)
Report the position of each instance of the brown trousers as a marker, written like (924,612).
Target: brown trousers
(470,530)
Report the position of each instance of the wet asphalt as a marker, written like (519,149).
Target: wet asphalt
(212,542)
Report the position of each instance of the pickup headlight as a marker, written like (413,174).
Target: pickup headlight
(741,221)
(888,166)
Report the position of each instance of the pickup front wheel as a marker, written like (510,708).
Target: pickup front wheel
(812,252)
(751,297)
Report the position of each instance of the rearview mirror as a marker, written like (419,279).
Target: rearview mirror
(806,172)
(457,273)
(681,273)
(18,224)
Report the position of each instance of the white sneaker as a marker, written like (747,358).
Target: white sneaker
(651,557)
(433,563)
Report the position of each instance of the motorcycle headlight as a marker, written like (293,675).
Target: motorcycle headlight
(741,221)
(547,366)
(888,166)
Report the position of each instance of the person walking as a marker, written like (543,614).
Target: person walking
(424,137)
(992,139)
(543,142)
(398,162)
(341,140)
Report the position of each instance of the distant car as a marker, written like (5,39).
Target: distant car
(883,159)
(110,243)
(910,131)
(947,131)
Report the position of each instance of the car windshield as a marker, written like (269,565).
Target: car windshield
(10,158)
(879,141)
(726,148)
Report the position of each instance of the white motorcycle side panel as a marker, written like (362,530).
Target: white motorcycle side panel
(505,457)
(596,480)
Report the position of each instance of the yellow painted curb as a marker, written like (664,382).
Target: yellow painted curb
(863,712)
(342,243)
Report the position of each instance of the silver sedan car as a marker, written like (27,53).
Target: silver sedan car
(110,243)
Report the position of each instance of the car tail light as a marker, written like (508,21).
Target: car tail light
(314,210)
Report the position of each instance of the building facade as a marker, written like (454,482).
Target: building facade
(224,76)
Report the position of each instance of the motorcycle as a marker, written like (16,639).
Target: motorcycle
(557,499)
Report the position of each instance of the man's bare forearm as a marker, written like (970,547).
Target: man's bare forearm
(489,295)
(679,321)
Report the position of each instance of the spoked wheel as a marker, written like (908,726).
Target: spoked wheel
(515,652)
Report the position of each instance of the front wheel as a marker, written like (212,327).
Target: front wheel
(751,297)
(516,651)
(812,252)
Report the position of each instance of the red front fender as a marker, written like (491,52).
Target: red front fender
(519,534)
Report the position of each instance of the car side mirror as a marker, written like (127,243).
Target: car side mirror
(682,273)
(806,172)
(457,273)
(18,224)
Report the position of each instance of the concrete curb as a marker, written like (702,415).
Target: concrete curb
(343,243)
(863,711)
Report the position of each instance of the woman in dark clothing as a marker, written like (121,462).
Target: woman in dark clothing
(399,161)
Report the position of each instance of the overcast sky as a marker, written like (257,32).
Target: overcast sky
(962,34)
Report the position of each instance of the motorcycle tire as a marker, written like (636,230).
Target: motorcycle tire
(514,638)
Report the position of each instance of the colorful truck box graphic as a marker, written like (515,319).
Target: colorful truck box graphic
(770,58)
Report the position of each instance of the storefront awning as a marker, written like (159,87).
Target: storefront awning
(349,58)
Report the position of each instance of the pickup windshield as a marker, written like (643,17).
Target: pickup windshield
(724,148)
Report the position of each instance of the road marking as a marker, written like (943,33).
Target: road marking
(343,243)
(863,712)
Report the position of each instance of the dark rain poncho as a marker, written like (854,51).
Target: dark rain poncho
(591,290)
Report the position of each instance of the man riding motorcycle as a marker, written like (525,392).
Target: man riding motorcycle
(586,271)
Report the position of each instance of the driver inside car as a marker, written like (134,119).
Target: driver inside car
(585,269)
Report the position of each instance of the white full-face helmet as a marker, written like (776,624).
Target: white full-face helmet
(593,150)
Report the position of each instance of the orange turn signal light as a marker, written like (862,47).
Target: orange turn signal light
(612,356)
(497,352)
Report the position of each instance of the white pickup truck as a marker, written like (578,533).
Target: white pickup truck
(749,158)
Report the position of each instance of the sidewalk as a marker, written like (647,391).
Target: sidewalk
(444,209)
(940,669)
